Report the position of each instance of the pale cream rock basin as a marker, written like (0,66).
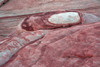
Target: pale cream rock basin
(63,18)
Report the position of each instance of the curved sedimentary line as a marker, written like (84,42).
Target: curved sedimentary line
(3,2)
(16,43)
(19,13)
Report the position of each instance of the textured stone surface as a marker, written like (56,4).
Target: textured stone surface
(9,25)
(65,47)
(76,46)
(55,45)
(23,8)
(26,7)
(43,20)
(9,46)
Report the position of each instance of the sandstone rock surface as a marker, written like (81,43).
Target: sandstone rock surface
(49,45)
(66,47)
(14,11)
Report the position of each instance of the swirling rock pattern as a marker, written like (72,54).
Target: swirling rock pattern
(50,44)
(46,34)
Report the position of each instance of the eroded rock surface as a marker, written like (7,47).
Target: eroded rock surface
(76,46)
(14,11)
(52,45)
(35,37)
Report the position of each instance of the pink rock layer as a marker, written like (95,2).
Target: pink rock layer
(60,46)
(77,46)
(10,45)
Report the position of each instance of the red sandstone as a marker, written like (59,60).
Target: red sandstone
(36,42)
